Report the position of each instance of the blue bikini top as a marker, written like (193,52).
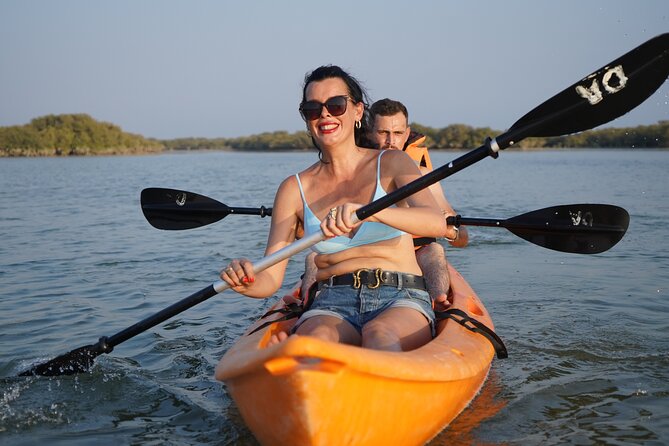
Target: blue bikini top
(368,232)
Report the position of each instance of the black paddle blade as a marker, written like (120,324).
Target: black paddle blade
(77,361)
(172,209)
(602,96)
(575,228)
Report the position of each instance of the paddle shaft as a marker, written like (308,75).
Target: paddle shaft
(499,223)
(219,209)
(210,210)
(262,211)
(210,291)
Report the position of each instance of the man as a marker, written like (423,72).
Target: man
(390,131)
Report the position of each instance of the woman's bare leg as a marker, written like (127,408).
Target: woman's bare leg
(330,328)
(397,329)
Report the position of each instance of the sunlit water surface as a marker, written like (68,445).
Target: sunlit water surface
(587,335)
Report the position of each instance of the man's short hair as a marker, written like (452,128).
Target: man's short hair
(388,107)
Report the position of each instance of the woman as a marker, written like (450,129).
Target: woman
(371,291)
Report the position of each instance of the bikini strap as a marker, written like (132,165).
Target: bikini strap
(378,168)
(299,185)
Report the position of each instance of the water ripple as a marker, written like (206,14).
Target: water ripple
(587,335)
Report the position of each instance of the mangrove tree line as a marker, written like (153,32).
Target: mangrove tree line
(80,134)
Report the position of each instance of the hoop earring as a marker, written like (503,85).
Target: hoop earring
(358,124)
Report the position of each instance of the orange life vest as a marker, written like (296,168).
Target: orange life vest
(417,152)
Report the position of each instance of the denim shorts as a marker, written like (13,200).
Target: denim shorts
(361,305)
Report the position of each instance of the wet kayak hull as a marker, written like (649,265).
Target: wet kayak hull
(305,391)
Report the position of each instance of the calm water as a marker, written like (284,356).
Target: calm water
(587,335)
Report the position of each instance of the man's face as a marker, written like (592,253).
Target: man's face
(390,132)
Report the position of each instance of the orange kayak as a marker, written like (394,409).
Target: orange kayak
(305,391)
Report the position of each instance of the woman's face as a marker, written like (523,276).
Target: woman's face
(329,130)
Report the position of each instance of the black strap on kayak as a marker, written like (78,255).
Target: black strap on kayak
(463,319)
(290,311)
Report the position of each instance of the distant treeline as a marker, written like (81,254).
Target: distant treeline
(280,140)
(455,136)
(77,134)
(80,134)
(459,136)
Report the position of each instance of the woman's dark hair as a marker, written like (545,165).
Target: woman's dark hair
(355,91)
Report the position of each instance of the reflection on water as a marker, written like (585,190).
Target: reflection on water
(488,403)
(587,335)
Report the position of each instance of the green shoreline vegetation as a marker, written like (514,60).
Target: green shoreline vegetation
(80,134)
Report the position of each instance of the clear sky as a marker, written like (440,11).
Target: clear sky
(217,68)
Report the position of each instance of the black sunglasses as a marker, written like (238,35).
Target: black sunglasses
(336,105)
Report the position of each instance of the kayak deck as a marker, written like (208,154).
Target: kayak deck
(305,391)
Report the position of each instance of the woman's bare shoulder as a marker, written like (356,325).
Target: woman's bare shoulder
(287,187)
(397,161)
(288,194)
